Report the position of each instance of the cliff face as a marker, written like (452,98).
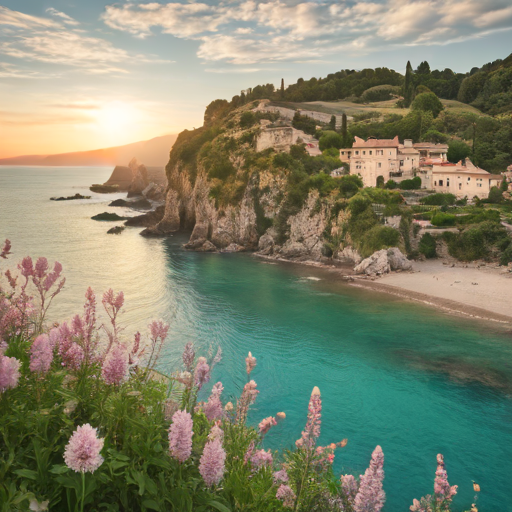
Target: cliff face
(232,197)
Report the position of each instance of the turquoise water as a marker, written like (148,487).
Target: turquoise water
(393,373)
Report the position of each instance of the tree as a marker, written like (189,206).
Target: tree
(332,123)
(344,133)
(330,139)
(427,246)
(408,85)
(428,102)
(457,151)
(495,195)
(504,185)
(380,181)
(423,68)
(282,88)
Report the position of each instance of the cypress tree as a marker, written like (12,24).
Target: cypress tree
(282,87)
(408,85)
(344,129)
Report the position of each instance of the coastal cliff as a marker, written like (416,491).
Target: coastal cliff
(280,202)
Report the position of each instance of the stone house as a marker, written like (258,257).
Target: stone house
(389,158)
(463,179)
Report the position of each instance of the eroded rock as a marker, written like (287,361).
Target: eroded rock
(383,262)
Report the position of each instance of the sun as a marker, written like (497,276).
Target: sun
(117,120)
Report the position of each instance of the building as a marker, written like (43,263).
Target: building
(390,159)
(463,179)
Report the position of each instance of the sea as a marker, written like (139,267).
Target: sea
(393,373)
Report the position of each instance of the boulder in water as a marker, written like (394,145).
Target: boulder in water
(107,216)
(117,230)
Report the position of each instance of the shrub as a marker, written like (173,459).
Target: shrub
(495,195)
(377,238)
(427,102)
(330,140)
(412,184)
(248,119)
(443,219)
(457,150)
(427,246)
(438,199)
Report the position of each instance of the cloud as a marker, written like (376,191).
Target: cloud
(65,18)
(53,42)
(247,31)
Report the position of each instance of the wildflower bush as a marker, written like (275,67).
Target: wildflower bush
(87,423)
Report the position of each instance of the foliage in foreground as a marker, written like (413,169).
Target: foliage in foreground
(88,424)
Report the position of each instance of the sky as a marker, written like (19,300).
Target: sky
(78,75)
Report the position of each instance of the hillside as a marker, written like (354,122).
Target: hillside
(383,107)
(153,152)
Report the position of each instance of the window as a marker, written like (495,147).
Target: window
(390,152)
(379,165)
(435,183)
(460,186)
(364,152)
(448,182)
(343,152)
(357,152)
(440,183)
(369,152)
(469,179)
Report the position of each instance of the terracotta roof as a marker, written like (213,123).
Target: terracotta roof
(376,143)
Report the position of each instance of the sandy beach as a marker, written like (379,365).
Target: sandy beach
(482,292)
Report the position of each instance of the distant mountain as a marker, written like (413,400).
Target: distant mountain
(154,152)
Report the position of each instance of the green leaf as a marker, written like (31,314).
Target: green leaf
(151,504)
(219,506)
(27,473)
(59,469)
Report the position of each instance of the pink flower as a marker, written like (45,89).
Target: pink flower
(180,436)
(3,347)
(26,266)
(9,372)
(424,505)
(371,496)
(250,363)
(312,430)
(350,486)
(6,249)
(12,280)
(281,476)
(266,424)
(216,433)
(82,453)
(41,354)
(115,366)
(286,495)
(444,493)
(211,465)
(201,373)
(189,355)
(248,397)
(213,408)
(261,458)
(158,329)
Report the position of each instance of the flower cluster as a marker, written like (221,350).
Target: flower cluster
(312,429)
(266,424)
(115,365)
(213,408)
(371,496)
(82,453)
(9,372)
(180,436)
(41,354)
(212,463)
(201,372)
(286,495)
(261,458)
(250,363)
(248,397)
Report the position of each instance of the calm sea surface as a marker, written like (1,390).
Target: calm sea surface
(393,373)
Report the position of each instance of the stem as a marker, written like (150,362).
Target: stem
(83,492)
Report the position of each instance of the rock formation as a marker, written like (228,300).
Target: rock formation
(383,262)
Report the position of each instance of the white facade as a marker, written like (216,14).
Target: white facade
(461,180)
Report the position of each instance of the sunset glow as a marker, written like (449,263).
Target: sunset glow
(82,75)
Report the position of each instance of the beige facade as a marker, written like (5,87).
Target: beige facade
(388,158)
(461,180)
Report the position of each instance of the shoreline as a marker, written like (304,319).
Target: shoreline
(442,295)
